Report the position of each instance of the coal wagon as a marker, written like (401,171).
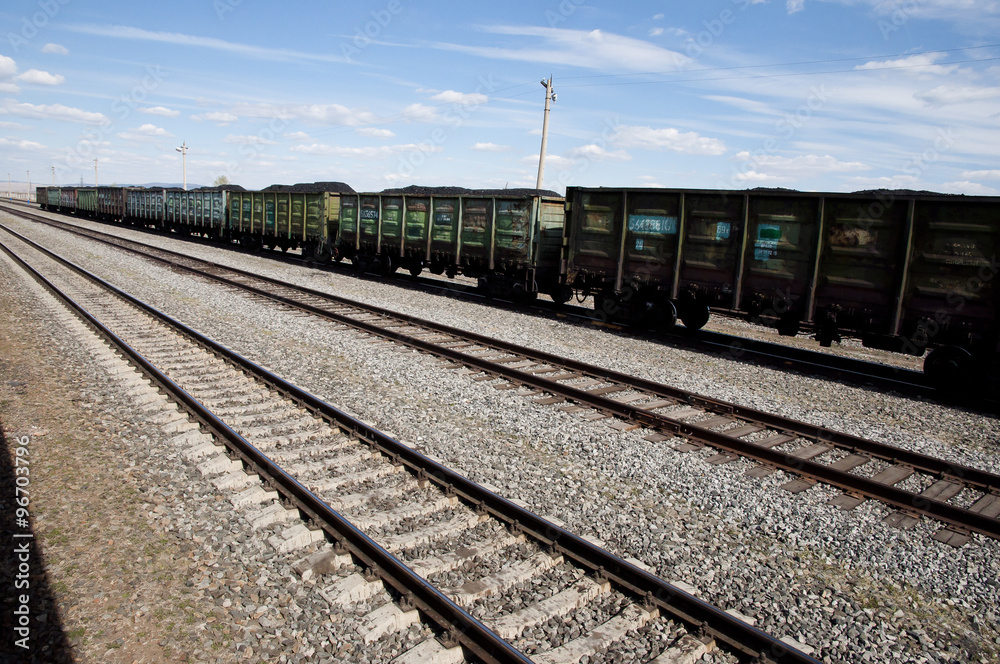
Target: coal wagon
(904,271)
(305,216)
(509,240)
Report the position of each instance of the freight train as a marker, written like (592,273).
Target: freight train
(901,270)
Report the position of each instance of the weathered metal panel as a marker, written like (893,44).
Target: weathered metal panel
(477,231)
(111,202)
(416,225)
(52,196)
(780,253)
(952,280)
(713,231)
(444,225)
(67,198)
(516,219)
(369,218)
(349,213)
(652,229)
(595,235)
(861,260)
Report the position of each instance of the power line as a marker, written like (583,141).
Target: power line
(781,75)
(788,64)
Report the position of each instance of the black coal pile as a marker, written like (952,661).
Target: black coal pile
(311,188)
(416,190)
(222,187)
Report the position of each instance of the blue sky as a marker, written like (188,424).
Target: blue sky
(829,95)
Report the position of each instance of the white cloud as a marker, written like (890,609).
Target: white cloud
(8,68)
(326,114)
(764,168)
(20,144)
(971,188)
(56,49)
(887,182)
(982,175)
(795,6)
(490,147)
(594,152)
(374,132)
(593,49)
(218,117)
(38,77)
(179,39)
(922,63)
(946,95)
(144,133)
(656,32)
(667,139)
(368,152)
(54,112)
(419,113)
(297,136)
(161,111)
(465,98)
(248,139)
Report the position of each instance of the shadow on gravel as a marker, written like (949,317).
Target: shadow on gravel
(32,630)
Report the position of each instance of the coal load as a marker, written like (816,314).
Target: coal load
(221,187)
(416,190)
(311,188)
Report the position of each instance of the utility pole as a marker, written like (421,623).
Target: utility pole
(10,194)
(53,176)
(183,150)
(27,194)
(549,98)
(95,172)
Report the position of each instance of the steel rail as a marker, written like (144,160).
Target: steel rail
(930,465)
(461,626)
(695,612)
(958,518)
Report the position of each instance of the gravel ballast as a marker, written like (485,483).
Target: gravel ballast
(840,582)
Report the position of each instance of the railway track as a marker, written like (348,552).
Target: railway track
(413,542)
(882,376)
(964,500)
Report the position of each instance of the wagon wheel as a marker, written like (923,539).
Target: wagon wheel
(660,314)
(949,368)
(694,316)
(562,294)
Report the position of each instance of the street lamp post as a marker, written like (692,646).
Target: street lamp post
(549,98)
(183,150)
(95,172)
